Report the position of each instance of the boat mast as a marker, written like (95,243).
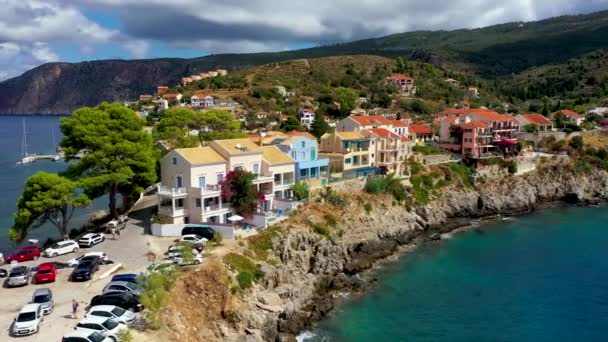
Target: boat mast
(24,141)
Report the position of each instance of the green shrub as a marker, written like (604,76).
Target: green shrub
(301,191)
(331,220)
(321,229)
(125,336)
(217,239)
(262,242)
(155,296)
(161,219)
(335,199)
(368,208)
(245,279)
(239,263)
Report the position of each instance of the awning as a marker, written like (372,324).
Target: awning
(507,142)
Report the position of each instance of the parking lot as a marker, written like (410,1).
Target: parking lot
(133,250)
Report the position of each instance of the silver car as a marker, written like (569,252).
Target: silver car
(44,297)
(122,286)
(19,276)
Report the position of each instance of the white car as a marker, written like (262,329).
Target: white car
(91,239)
(28,320)
(85,336)
(113,312)
(175,250)
(197,258)
(122,286)
(74,262)
(62,247)
(103,325)
(163,265)
(193,238)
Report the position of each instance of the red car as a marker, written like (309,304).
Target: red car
(24,254)
(46,273)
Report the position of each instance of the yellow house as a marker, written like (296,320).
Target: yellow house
(191,178)
(352,153)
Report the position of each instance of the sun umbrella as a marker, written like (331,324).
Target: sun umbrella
(235,218)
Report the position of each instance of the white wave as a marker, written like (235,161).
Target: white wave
(305,336)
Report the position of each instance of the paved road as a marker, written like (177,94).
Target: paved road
(131,250)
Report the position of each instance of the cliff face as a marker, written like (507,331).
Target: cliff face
(299,290)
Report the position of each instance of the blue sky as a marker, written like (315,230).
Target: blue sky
(34,32)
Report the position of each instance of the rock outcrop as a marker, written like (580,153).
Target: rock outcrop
(302,288)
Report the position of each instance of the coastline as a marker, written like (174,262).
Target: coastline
(306,285)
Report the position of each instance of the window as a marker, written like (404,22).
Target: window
(201,182)
(179,203)
(198,202)
(174,161)
(220,178)
(238,168)
(293,155)
(313,155)
(313,172)
(179,181)
(347,161)
(256,169)
(303,144)
(186,220)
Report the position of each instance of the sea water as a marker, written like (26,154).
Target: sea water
(542,277)
(42,137)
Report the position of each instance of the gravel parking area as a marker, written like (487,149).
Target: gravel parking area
(132,249)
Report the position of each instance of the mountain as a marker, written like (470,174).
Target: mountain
(492,52)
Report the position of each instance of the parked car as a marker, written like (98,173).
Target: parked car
(3,273)
(103,325)
(46,273)
(28,320)
(113,312)
(19,276)
(130,277)
(199,247)
(44,297)
(123,300)
(91,239)
(193,238)
(85,336)
(74,262)
(85,269)
(62,247)
(163,265)
(203,231)
(26,253)
(178,250)
(122,286)
(178,259)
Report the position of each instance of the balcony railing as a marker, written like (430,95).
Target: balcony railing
(173,192)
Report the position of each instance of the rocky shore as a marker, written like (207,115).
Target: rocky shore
(301,289)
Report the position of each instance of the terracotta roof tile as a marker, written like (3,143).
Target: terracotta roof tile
(399,77)
(420,129)
(371,120)
(570,113)
(537,119)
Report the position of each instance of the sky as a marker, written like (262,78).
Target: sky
(34,32)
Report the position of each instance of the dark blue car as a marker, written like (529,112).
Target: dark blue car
(130,277)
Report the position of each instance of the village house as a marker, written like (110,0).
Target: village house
(503,126)
(201,101)
(420,134)
(145,97)
(391,151)
(473,92)
(304,149)
(349,152)
(453,82)
(571,116)
(281,90)
(542,123)
(161,90)
(357,123)
(221,72)
(176,96)
(465,136)
(186,80)
(196,78)
(191,178)
(404,83)
(282,168)
(307,117)
(400,128)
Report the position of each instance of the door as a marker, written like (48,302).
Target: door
(201,182)
(179,182)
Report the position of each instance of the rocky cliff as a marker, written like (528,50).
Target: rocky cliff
(310,269)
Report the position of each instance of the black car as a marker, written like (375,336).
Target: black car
(123,300)
(203,231)
(85,269)
(3,273)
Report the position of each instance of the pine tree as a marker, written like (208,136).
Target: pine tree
(319,126)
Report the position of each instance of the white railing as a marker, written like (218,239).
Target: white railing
(173,192)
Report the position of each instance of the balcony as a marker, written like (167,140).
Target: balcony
(208,190)
(262,178)
(172,192)
(215,208)
(168,211)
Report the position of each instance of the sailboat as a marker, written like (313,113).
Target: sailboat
(27,158)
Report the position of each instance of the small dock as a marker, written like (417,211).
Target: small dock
(53,157)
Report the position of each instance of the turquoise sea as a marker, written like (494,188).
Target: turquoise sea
(542,277)
(43,136)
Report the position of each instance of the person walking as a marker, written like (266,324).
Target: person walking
(74,308)
(113,231)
